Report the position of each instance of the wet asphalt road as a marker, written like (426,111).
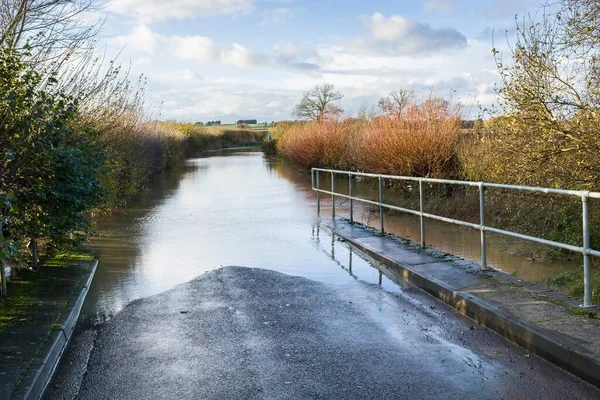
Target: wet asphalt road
(240,333)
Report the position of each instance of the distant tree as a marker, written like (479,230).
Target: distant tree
(397,102)
(319,103)
(199,123)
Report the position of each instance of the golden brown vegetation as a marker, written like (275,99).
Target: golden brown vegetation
(422,142)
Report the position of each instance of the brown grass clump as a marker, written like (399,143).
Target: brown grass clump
(420,143)
(321,144)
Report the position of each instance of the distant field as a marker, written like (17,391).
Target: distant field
(254,127)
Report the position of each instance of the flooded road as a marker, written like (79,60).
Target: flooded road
(241,208)
(229,208)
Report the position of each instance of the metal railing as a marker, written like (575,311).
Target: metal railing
(585,249)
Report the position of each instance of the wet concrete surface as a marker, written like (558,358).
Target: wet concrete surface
(243,333)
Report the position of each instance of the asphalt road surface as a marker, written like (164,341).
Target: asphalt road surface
(240,333)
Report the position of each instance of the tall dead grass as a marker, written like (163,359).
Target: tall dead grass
(422,142)
(329,143)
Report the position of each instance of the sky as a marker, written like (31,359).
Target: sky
(252,59)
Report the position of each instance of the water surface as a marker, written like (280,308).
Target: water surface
(241,208)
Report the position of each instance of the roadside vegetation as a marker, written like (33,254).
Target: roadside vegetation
(77,136)
(544,132)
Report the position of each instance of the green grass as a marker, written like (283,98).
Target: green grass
(583,312)
(32,290)
(572,283)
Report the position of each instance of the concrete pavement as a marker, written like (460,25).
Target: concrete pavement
(240,333)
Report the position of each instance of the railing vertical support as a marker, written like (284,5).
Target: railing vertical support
(318,193)
(422,210)
(350,262)
(587,292)
(484,265)
(381,204)
(351,201)
(332,196)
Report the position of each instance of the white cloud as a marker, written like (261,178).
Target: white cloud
(158,10)
(192,48)
(276,16)
(140,40)
(143,61)
(198,78)
(399,35)
(239,57)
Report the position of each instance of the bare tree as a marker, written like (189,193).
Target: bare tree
(319,103)
(550,96)
(396,102)
(48,27)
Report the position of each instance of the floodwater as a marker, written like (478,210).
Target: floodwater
(227,208)
(241,208)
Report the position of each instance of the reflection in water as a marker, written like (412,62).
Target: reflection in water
(341,253)
(231,208)
(240,208)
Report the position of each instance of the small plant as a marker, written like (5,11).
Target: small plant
(563,278)
(583,312)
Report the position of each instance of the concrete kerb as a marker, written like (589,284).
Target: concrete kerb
(551,346)
(41,378)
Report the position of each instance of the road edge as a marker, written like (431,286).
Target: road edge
(551,346)
(60,339)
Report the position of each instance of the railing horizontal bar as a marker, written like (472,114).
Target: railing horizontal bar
(452,221)
(578,193)
(551,243)
(406,210)
(535,239)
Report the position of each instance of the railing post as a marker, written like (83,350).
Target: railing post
(332,196)
(350,262)
(422,209)
(332,246)
(484,265)
(318,193)
(381,204)
(587,292)
(351,201)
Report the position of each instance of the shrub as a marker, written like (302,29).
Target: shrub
(321,144)
(422,143)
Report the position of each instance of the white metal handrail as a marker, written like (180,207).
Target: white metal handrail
(585,249)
